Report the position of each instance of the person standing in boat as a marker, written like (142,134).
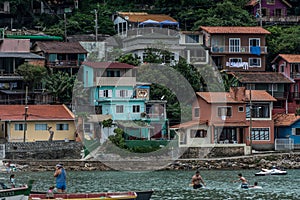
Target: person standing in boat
(197,180)
(243,180)
(12,181)
(61,177)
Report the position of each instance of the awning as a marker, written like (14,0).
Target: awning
(149,21)
(98,118)
(231,124)
(133,124)
(168,22)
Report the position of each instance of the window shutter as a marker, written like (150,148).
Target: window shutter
(109,93)
(118,93)
(101,93)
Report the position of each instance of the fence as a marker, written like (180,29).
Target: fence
(284,144)
(2,151)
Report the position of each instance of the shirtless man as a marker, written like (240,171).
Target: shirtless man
(243,180)
(196,179)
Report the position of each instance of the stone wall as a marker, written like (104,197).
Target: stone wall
(212,152)
(43,150)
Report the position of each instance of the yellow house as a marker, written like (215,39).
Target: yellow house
(20,123)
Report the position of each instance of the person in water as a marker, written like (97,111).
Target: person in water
(197,180)
(243,180)
(61,177)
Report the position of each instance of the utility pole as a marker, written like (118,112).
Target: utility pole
(260,14)
(96,24)
(25,114)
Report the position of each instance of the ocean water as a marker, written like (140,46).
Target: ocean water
(171,185)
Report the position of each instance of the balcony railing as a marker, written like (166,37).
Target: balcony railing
(295,75)
(62,63)
(294,95)
(242,49)
(115,81)
(279,95)
(289,19)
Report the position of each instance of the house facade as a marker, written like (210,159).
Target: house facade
(236,48)
(115,93)
(61,56)
(15,127)
(275,83)
(287,126)
(271,10)
(289,65)
(13,53)
(226,118)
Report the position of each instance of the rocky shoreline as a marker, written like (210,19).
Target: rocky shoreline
(282,160)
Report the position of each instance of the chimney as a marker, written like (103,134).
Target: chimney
(238,93)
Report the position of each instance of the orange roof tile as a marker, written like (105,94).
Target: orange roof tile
(291,58)
(217,97)
(143,16)
(35,113)
(281,119)
(235,30)
(188,124)
(259,95)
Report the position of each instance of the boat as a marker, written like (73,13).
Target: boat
(138,195)
(273,171)
(17,193)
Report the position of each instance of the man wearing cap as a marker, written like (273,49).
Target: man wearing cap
(61,177)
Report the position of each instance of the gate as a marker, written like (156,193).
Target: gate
(284,144)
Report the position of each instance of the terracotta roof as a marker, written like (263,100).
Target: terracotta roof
(217,97)
(254,2)
(60,47)
(259,95)
(290,58)
(143,16)
(233,124)
(225,97)
(261,77)
(111,65)
(281,119)
(235,30)
(188,124)
(35,113)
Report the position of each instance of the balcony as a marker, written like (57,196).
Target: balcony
(281,19)
(242,49)
(63,63)
(295,75)
(115,81)
(294,95)
(279,95)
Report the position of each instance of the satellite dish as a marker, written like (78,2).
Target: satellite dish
(126,17)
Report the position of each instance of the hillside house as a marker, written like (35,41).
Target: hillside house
(289,65)
(236,48)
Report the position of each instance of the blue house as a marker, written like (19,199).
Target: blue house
(287,126)
(114,92)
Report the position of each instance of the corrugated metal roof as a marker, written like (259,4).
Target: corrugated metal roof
(20,55)
(60,47)
(261,77)
(111,65)
(143,16)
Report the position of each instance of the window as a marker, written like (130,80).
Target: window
(136,108)
(105,93)
(200,133)
(19,127)
(258,111)
(87,128)
(62,127)
(124,93)
(112,73)
(235,62)
(119,109)
(260,134)
(41,127)
(196,112)
(250,86)
(273,87)
(254,62)
(191,38)
(224,111)
(296,131)
(270,1)
(254,42)
(234,45)
(241,109)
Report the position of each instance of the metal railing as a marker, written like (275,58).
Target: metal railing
(2,151)
(282,144)
(241,49)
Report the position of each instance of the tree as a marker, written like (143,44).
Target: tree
(32,74)
(60,85)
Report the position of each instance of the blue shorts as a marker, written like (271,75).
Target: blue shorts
(61,186)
